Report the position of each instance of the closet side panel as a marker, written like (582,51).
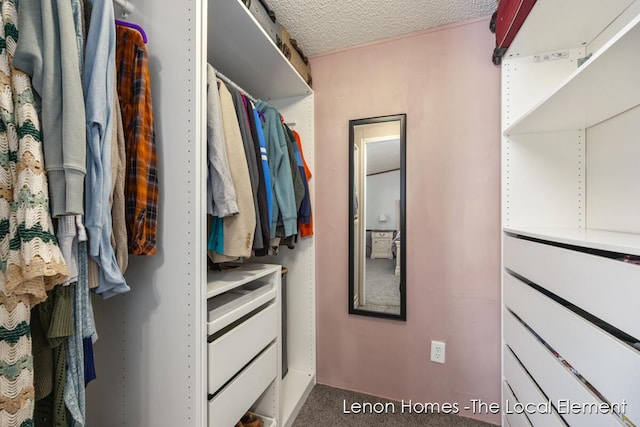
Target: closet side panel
(150,355)
(301,260)
(301,296)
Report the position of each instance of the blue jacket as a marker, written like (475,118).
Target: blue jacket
(284,202)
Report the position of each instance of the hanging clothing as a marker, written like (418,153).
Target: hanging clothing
(32,263)
(99,93)
(262,238)
(221,194)
(296,172)
(305,223)
(284,202)
(215,243)
(265,162)
(74,390)
(238,229)
(134,90)
(77,7)
(117,201)
(304,211)
(56,320)
(252,163)
(48,52)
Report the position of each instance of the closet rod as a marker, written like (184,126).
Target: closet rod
(235,85)
(126,6)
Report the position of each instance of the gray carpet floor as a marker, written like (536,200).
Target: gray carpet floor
(325,408)
(381,286)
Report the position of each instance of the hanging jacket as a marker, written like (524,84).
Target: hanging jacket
(304,210)
(284,202)
(265,161)
(221,194)
(252,163)
(298,186)
(238,229)
(305,229)
(262,237)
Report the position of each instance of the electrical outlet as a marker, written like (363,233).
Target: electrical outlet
(437,351)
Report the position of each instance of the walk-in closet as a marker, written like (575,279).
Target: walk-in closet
(285,213)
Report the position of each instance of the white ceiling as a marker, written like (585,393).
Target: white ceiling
(383,156)
(322,26)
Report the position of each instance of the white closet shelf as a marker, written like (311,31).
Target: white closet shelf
(612,241)
(563,29)
(596,91)
(239,48)
(219,282)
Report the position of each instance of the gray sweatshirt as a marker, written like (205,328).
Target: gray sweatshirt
(48,52)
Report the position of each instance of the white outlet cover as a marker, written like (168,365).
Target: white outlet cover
(437,351)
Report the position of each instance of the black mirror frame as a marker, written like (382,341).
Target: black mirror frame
(402,118)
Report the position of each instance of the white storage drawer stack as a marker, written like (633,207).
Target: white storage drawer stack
(243,353)
(570,213)
(561,346)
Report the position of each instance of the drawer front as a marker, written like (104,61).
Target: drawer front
(607,288)
(552,376)
(513,419)
(229,353)
(382,243)
(540,412)
(232,402)
(240,307)
(612,367)
(383,234)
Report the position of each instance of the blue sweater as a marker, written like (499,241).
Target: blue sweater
(99,94)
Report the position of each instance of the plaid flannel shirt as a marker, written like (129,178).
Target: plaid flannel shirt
(141,182)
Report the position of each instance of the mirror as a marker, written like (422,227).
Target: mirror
(377,217)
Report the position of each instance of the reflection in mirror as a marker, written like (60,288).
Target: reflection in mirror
(377,216)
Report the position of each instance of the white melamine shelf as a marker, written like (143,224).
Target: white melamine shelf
(564,25)
(296,386)
(237,305)
(223,281)
(596,91)
(238,47)
(612,241)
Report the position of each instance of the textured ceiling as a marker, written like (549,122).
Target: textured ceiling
(325,25)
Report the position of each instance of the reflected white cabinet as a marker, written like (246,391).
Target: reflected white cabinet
(381,244)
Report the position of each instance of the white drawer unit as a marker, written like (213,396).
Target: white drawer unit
(244,338)
(228,406)
(237,347)
(381,244)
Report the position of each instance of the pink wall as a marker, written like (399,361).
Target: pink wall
(444,80)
